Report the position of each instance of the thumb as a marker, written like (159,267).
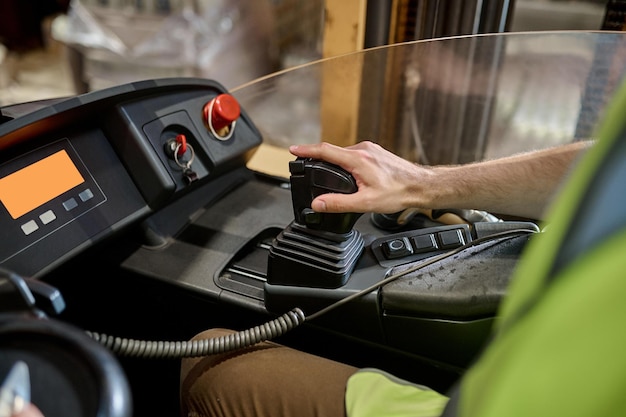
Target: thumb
(333,203)
(319,205)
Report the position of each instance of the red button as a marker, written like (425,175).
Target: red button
(225,111)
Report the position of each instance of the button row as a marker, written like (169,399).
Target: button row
(49,215)
(405,246)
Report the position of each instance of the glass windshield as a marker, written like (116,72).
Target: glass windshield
(443,101)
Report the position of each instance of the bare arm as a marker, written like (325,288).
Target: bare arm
(519,185)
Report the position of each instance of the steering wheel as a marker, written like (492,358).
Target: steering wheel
(70,373)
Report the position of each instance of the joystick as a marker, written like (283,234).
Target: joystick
(311,178)
(317,249)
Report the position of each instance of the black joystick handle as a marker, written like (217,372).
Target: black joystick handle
(311,178)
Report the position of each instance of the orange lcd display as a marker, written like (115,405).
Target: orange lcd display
(38,183)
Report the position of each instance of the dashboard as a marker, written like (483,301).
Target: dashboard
(165,162)
(75,171)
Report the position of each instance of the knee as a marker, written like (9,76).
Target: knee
(188,365)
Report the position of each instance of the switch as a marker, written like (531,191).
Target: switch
(450,239)
(424,243)
(397,248)
(220,115)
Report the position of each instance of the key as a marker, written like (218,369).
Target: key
(189,175)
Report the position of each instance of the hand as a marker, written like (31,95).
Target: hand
(386,183)
(29,410)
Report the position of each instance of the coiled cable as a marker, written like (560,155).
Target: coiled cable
(194,348)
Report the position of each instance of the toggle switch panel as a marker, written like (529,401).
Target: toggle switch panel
(419,244)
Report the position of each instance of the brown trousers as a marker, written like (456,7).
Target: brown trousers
(265,380)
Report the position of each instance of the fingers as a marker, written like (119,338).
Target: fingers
(316,151)
(30,410)
(328,152)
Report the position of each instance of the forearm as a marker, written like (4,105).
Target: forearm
(519,185)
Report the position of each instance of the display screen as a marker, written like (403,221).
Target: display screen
(38,183)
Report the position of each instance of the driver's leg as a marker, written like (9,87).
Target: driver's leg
(267,379)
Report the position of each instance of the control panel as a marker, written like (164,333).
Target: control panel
(44,191)
(418,244)
(79,170)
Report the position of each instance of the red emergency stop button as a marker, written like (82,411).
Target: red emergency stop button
(220,115)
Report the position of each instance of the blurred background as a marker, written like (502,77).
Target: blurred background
(55,48)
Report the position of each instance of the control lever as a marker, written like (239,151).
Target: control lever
(317,250)
(311,178)
(29,294)
(47,297)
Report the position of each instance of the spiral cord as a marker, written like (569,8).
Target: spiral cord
(203,347)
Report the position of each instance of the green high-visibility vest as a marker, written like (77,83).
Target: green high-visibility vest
(559,347)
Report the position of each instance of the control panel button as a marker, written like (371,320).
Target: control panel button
(70,204)
(450,239)
(220,115)
(29,227)
(86,195)
(397,248)
(47,217)
(424,243)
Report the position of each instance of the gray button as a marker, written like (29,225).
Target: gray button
(47,217)
(424,243)
(86,195)
(29,227)
(70,204)
(451,238)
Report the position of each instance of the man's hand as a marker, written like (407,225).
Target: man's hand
(386,182)
(29,410)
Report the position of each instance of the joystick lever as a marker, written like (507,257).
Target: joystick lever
(317,249)
(311,178)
